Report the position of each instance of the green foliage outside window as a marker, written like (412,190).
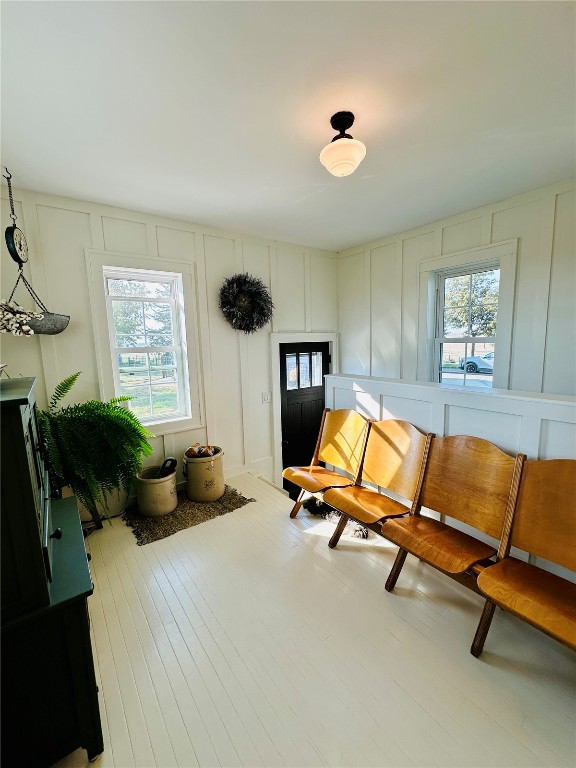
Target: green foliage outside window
(471,304)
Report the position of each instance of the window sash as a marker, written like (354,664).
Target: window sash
(440,339)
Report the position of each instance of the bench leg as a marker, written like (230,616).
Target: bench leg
(483,627)
(339,530)
(299,502)
(396,568)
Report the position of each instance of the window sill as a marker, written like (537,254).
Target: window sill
(170,426)
(467,388)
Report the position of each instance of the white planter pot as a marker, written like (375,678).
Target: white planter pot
(116,501)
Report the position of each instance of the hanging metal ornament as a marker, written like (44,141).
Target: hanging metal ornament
(13,318)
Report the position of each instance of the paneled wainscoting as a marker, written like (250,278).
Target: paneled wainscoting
(245,641)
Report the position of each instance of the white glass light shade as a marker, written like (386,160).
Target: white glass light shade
(343,156)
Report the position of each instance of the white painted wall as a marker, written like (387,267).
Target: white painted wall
(235,369)
(370,294)
(378,293)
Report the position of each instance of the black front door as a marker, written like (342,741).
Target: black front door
(302,371)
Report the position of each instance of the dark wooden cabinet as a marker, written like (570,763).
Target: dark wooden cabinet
(25,502)
(49,692)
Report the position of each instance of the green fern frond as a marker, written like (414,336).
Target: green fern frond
(62,390)
(121,399)
(94,447)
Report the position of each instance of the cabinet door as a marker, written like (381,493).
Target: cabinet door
(49,693)
(24,579)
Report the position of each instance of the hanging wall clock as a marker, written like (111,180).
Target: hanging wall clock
(15,238)
(245,302)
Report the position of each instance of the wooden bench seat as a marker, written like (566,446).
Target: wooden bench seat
(341,444)
(543,599)
(394,460)
(466,479)
(446,548)
(543,524)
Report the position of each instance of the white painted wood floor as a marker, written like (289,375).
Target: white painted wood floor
(245,641)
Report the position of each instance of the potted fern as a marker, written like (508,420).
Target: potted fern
(95,447)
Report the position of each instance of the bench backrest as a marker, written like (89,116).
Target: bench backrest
(470,480)
(394,455)
(545,518)
(342,440)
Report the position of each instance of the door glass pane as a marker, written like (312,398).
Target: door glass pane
(291,372)
(304,359)
(316,369)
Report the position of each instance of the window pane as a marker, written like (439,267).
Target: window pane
(483,320)
(456,319)
(144,288)
(291,372)
(164,399)
(160,359)
(133,368)
(128,321)
(140,402)
(465,364)
(163,375)
(316,369)
(158,324)
(451,356)
(457,291)
(304,359)
(485,287)
(456,322)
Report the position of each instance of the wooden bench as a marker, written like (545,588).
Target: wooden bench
(469,480)
(341,444)
(543,524)
(528,505)
(394,461)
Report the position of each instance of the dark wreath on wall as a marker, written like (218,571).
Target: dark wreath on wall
(245,302)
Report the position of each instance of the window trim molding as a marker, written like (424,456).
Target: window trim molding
(96,261)
(505,254)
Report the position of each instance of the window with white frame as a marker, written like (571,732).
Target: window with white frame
(146,324)
(466,324)
(447,318)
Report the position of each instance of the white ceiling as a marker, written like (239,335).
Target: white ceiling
(215,112)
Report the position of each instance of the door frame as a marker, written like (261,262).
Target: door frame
(292,338)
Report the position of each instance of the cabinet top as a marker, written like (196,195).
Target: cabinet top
(16,391)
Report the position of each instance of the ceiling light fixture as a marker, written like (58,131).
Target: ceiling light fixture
(344,154)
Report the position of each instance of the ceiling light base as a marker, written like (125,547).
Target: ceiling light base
(341,121)
(344,154)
